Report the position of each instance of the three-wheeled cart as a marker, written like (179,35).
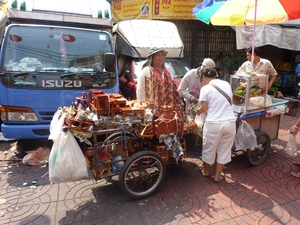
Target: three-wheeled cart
(262,112)
(134,149)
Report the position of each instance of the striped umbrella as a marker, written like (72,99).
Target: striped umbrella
(247,12)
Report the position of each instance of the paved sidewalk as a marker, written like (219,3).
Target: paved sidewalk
(265,194)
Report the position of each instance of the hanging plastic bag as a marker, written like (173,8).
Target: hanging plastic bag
(66,160)
(55,118)
(57,126)
(199,120)
(245,137)
(291,147)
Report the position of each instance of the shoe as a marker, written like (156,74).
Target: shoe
(296,163)
(295,174)
(201,169)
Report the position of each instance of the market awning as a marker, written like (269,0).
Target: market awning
(282,36)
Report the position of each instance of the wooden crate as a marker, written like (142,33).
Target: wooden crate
(146,131)
(167,124)
(163,152)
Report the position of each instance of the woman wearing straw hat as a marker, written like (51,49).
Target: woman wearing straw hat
(156,87)
(155,84)
(154,66)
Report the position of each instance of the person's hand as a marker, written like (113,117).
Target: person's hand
(242,84)
(293,130)
(195,101)
(198,111)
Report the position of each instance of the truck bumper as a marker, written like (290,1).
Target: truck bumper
(25,131)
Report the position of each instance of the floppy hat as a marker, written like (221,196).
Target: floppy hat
(208,62)
(154,50)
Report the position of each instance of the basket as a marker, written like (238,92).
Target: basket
(163,152)
(73,124)
(168,123)
(146,130)
(101,164)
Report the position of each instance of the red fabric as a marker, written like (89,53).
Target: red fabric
(292,8)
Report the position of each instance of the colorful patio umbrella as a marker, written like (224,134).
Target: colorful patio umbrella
(247,12)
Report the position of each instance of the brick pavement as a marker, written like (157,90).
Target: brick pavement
(265,194)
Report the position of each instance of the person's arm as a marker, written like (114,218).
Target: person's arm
(140,87)
(272,73)
(241,70)
(294,129)
(272,79)
(183,88)
(202,109)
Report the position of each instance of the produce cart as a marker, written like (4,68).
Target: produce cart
(252,104)
(137,145)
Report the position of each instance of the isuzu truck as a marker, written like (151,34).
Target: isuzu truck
(51,52)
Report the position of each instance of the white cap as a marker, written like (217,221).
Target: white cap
(208,62)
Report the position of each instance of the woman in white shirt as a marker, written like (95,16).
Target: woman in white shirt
(220,124)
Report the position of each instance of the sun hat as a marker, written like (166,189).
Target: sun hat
(154,50)
(208,62)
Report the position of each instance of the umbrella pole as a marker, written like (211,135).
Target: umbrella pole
(253,36)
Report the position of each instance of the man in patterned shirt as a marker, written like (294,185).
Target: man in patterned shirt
(260,66)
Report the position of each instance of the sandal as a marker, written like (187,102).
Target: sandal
(218,181)
(296,163)
(295,174)
(222,178)
(201,169)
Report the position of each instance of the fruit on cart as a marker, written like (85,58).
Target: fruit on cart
(252,90)
(252,74)
(258,91)
(238,92)
(244,92)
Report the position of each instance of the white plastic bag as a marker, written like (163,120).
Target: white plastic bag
(57,125)
(245,137)
(291,147)
(259,101)
(66,160)
(55,118)
(200,119)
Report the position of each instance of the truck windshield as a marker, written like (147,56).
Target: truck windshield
(48,52)
(178,67)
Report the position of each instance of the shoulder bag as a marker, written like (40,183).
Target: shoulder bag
(222,92)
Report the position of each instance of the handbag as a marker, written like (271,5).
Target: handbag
(222,92)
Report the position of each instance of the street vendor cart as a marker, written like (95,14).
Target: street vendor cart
(137,145)
(263,112)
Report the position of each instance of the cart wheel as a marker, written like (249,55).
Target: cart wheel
(142,174)
(261,152)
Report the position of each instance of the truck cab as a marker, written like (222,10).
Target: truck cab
(52,52)
(134,38)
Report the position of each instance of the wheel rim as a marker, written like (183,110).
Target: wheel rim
(143,175)
(260,153)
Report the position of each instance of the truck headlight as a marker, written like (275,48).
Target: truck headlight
(18,114)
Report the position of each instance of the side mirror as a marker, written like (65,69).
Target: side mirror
(127,75)
(109,61)
(98,68)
